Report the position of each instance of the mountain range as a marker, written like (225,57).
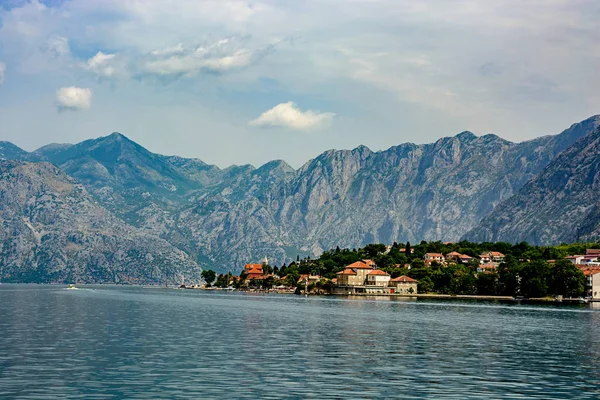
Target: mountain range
(223,218)
(560,205)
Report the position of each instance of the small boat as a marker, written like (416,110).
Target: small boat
(71,287)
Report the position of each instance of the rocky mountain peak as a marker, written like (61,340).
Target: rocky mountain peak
(466,136)
(10,151)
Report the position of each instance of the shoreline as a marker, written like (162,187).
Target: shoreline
(431,296)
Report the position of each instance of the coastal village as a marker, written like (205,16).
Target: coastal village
(364,276)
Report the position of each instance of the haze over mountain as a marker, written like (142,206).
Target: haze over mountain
(226,217)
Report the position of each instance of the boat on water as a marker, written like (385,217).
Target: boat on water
(71,287)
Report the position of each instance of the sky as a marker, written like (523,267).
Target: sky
(237,82)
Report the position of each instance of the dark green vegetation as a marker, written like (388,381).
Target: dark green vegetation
(525,272)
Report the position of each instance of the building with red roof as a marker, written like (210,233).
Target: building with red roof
(378,278)
(403,285)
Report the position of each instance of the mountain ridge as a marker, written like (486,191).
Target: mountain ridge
(226,217)
(559,205)
(54,232)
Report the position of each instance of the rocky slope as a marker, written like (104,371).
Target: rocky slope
(51,230)
(353,197)
(561,204)
(226,217)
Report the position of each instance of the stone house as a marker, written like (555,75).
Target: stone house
(403,285)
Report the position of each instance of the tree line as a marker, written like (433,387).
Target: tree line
(526,270)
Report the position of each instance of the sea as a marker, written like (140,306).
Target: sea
(120,342)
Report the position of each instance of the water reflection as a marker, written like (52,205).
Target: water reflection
(140,343)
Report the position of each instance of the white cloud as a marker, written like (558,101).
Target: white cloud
(2,71)
(288,115)
(73,98)
(223,56)
(179,49)
(102,64)
(58,46)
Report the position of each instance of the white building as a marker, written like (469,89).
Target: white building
(577,260)
(378,278)
(593,283)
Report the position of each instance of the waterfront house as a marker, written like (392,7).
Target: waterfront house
(362,269)
(378,277)
(592,275)
(353,278)
(377,282)
(594,284)
(403,285)
(254,271)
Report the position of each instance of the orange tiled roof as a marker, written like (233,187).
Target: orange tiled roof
(588,269)
(359,265)
(496,254)
(253,268)
(378,272)
(403,278)
(453,254)
(347,271)
(369,262)
(434,254)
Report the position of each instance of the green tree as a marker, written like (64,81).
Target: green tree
(534,278)
(292,279)
(372,250)
(487,284)
(566,279)
(209,276)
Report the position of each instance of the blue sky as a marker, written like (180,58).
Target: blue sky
(235,82)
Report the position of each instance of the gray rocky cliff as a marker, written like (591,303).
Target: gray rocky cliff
(52,230)
(560,205)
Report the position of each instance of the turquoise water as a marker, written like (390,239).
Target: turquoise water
(114,342)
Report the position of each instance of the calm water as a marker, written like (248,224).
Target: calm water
(108,342)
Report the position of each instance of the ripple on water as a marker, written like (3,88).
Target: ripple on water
(137,343)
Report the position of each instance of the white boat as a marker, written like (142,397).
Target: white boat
(71,287)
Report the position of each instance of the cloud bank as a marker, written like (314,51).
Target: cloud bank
(288,115)
(73,98)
